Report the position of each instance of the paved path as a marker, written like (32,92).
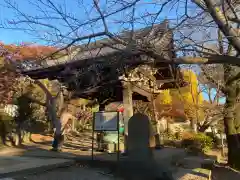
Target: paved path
(37,158)
(71,173)
(15,165)
(19,161)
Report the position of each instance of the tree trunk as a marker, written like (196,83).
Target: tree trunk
(194,125)
(19,134)
(3,132)
(232,130)
(51,103)
(128,110)
(73,125)
(206,125)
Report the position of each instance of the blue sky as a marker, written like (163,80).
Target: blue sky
(213,94)
(13,36)
(72,8)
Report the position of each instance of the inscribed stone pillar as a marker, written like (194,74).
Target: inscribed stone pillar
(128,108)
(139,138)
(140,163)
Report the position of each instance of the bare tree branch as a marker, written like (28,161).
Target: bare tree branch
(226,28)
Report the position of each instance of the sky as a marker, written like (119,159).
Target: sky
(76,9)
(12,36)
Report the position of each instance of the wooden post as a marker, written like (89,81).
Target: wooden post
(128,109)
(222,144)
(156,122)
(74,124)
(100,135)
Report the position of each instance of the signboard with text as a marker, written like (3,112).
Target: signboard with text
(106,121)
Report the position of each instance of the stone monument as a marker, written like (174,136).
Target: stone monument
(138,138)
(140,163)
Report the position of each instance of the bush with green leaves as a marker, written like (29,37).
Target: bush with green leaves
(5,117)
(203,141)
(197,141)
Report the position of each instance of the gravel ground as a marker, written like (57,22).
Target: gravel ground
(71,173)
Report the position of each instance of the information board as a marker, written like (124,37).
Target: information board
(106,121)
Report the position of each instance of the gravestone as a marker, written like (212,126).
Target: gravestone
(140,161)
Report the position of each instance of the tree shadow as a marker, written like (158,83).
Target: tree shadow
(223,172)
(208,165)
(27,159)
(81,156)
(75,143)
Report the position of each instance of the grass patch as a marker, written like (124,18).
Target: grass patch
(202,172)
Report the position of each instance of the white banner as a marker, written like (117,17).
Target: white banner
(106,121)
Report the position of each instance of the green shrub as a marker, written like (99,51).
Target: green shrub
(197,142)
(205,142)
(178,135)
(5,117)
(6,121)
(172,139)
(168,135)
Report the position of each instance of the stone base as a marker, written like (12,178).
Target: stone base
(143,170)
(196,162)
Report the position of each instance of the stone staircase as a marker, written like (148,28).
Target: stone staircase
(194,167)
(183,166)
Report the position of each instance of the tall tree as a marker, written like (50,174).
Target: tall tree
(15,56)
(7,82)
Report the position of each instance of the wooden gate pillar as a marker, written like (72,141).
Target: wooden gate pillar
(100,135)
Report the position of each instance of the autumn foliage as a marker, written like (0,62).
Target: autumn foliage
(27,51)
(184,102)
(7,81)
(8,78)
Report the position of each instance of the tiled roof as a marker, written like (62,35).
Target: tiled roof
(102,48)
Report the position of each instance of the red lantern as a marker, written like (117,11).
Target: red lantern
(120,109)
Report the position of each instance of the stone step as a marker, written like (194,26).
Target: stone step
(169,156)
(196,174)
(196,162)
